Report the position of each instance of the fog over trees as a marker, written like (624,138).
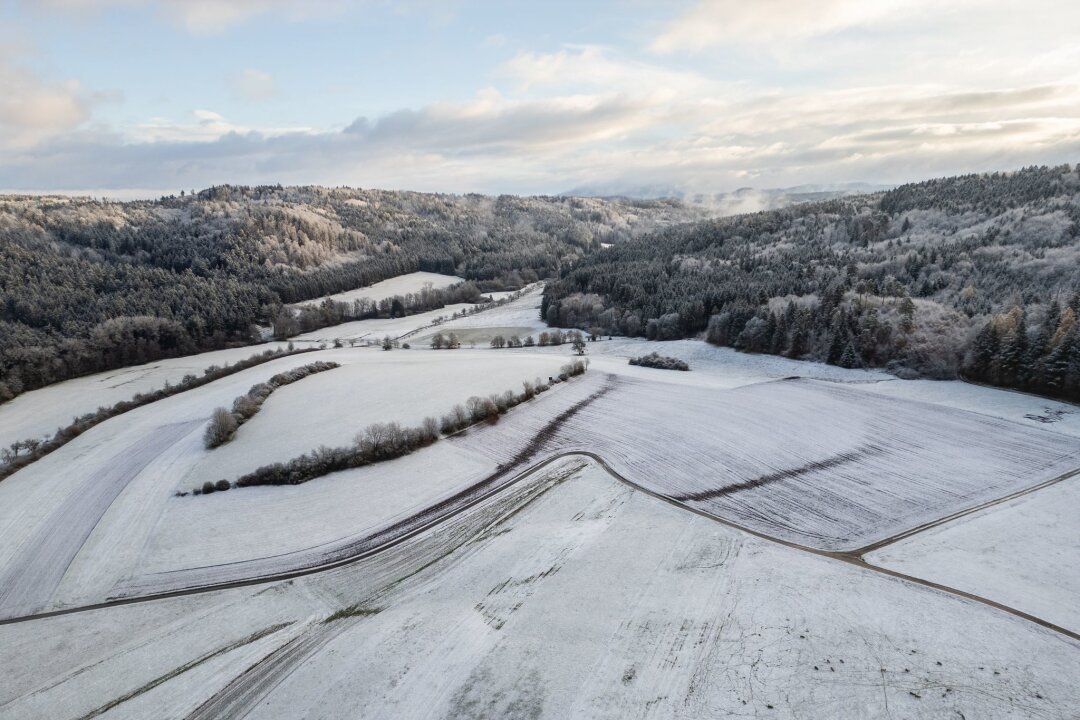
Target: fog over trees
(976,275)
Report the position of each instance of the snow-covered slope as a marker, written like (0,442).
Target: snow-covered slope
(400,285)
(1024,553)
(820,464)
(40,412)
(571,597)
(109,494)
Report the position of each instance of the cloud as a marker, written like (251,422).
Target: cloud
(765,22)
(495,143)
(772,94)
(202,16)
(440,146)
(33,110)
(493,122)
(593,66)
(253,85)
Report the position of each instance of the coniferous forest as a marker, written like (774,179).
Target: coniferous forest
(975,276)
(91,285)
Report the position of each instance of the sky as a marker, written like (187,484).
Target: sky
(136,98)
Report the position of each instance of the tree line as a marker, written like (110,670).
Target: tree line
(906,279)
(90,285)
(23,452)
(224,423)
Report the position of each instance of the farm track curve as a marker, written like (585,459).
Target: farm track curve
(853,558)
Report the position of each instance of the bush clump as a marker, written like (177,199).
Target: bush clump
(660,362)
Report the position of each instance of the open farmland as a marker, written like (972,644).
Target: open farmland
(451,569)
(117,529)
(375,330)
(1024,553)
(571,595)
(852,468)
(40,413)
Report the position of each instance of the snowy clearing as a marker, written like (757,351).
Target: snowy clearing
(1024,553)
(377,328)
(400,285)
(371,386)
(140,524)
(1023,408)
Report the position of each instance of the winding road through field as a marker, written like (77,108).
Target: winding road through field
(42,583)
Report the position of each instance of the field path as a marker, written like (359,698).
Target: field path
(846,557)
(35,572)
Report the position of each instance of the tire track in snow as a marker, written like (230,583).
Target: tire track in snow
(467,503)
(237,699)
(35,572)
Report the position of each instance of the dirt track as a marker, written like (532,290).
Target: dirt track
(470,500)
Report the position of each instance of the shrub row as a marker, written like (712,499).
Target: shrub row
(386,441)
(661,362)
(224,424)
(20,454)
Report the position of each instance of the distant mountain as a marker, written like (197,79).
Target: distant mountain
(736,202)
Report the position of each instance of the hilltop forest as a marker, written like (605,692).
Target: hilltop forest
(89,285)
(975,276)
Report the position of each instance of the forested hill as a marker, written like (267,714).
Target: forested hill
(976,275)
(88,285)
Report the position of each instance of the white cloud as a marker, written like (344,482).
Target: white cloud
(203,126)
(253,85)
(773,93)
(33,110)
(712,23)
(203,16)
(597,67)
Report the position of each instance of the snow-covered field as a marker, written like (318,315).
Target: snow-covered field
(400,285)
(1024,553)
(820,464)
(109,494)
(572,596)
(371,386)
(376,329)
(561,592)
(39,413)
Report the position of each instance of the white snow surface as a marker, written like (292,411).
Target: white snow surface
(110,492)
(400,285)
(376,329)
(1024,553)
(572,596)
(330,408)
(39,413)
(821,464)
(567,594)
